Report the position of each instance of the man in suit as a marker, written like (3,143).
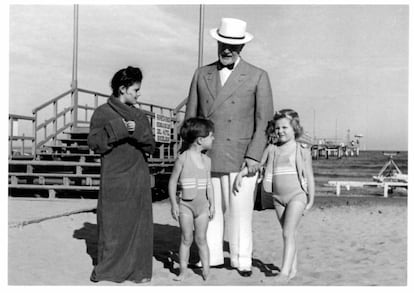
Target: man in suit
(237,97)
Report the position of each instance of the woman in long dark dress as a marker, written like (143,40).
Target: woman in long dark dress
(122,135)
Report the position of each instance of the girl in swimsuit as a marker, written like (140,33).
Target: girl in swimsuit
(289,177)
(195,206)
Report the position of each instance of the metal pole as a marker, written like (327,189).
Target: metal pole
(200,53)
(201,36)
(314,121)
(74,84)
(336,130)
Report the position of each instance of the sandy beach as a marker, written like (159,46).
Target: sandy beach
(342,241)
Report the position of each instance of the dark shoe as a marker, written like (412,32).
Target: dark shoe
(199,265)
(245,273)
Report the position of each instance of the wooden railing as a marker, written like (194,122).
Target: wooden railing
(20,139)
(52,106)
(65,111)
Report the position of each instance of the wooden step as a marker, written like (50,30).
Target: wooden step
(54,180)
(66,149)
(34,166)
(67,187)
(52,188)
(21,157)
(68,157)
(57,175)
(74,141)
(79,129)
(53,163)
(77,134)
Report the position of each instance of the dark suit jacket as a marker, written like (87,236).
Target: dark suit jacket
(240,111)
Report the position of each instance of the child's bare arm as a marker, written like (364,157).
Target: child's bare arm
(311,180)
(210,190)
(172,187)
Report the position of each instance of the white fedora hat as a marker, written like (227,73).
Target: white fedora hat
(231,31)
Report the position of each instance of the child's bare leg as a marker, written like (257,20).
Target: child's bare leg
(292,216)
(293,270)
(201,224)
(186,224)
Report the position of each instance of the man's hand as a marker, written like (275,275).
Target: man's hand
(212,212)
(252,165)
(237,183)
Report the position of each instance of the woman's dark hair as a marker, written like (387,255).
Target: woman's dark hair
(194,128)
(125,77)
(290,114)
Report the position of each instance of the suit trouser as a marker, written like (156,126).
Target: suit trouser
(234,212)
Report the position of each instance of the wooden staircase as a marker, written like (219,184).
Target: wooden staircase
(67,166)
(61,163)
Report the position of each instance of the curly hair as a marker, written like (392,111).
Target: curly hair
(290,114)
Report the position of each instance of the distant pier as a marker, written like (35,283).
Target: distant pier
(325,151)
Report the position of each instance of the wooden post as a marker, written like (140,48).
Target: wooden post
(385,189)
(55,111)
(11,138)
(52,194)
(64,119)
(14,180)
(86,112)
(34,123)
(338,188)
(45,129)
(23,145)
(74,84)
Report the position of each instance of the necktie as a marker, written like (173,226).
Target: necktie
(220,66)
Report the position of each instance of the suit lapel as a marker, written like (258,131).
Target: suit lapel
(211,80)
(235,80)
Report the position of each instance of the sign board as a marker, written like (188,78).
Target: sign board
(162,128)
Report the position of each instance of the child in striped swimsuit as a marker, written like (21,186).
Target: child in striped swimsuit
(196,205)
(289,177)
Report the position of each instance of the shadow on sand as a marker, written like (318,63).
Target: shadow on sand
(166,249)
(166,245)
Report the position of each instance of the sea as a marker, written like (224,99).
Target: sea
(357,168)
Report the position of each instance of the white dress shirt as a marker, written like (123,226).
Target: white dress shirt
(225,72)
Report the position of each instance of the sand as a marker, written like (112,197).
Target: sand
(342,241)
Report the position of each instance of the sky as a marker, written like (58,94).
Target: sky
(340,66)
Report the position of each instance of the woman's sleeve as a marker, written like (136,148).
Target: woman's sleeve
(309,171)
(143,133)
(104,133)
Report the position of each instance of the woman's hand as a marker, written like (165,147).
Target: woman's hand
(130,125)
(175,212)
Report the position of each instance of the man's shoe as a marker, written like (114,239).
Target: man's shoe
(245,273)
(199,265)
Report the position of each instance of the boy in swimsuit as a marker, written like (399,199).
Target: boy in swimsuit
(195,207)
(289,177)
